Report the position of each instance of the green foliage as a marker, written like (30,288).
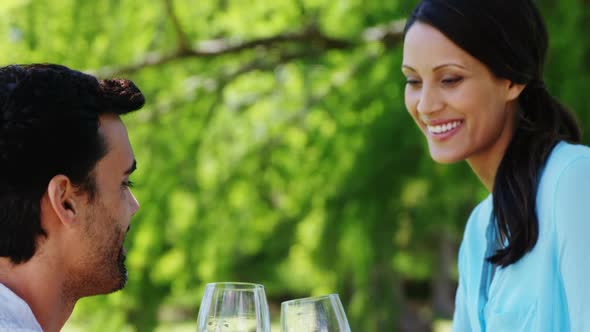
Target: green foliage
(295,166)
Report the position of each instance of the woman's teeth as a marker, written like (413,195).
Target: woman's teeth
(441,129)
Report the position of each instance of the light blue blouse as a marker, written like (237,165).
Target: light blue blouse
(548,289)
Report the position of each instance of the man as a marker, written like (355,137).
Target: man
(65,199)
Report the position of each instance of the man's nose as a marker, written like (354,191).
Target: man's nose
(134,204)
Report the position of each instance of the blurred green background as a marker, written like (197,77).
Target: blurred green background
(275,148)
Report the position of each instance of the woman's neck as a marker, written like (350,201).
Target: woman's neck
(486,162)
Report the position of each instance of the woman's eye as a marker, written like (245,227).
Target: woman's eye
(451,80)
(412,82)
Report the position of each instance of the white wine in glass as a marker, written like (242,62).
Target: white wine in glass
(233,307)
(314,314)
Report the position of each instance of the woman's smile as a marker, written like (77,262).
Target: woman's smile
(443,129)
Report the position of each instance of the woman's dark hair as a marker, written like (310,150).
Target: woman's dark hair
(49,126)
(510,38)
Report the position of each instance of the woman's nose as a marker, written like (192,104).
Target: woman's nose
(430,100)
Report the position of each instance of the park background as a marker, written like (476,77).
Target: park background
(275,148)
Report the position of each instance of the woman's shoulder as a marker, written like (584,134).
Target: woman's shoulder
(564,198)
(483,208)
(563,158)
(474,244)
(565,153)
(564,147)
(479,217)
(565,180)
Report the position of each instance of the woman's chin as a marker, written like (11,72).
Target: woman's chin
(445,157)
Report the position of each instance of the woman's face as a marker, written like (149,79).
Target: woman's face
(459,105)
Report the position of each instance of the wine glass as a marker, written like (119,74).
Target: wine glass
(314,314)
(233,307)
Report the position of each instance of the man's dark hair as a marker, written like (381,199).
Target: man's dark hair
(49,126)
(510,38)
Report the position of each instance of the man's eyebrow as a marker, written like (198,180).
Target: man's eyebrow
(132,168)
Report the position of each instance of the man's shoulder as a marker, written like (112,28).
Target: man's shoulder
(15,314)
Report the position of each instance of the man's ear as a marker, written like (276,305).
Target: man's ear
(63,199)
(514,91)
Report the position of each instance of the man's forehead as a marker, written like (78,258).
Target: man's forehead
(114,133)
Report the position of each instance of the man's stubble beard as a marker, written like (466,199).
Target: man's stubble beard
(114,262)
(103,270)
(122,269)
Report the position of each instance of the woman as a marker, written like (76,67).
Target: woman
(475,88)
